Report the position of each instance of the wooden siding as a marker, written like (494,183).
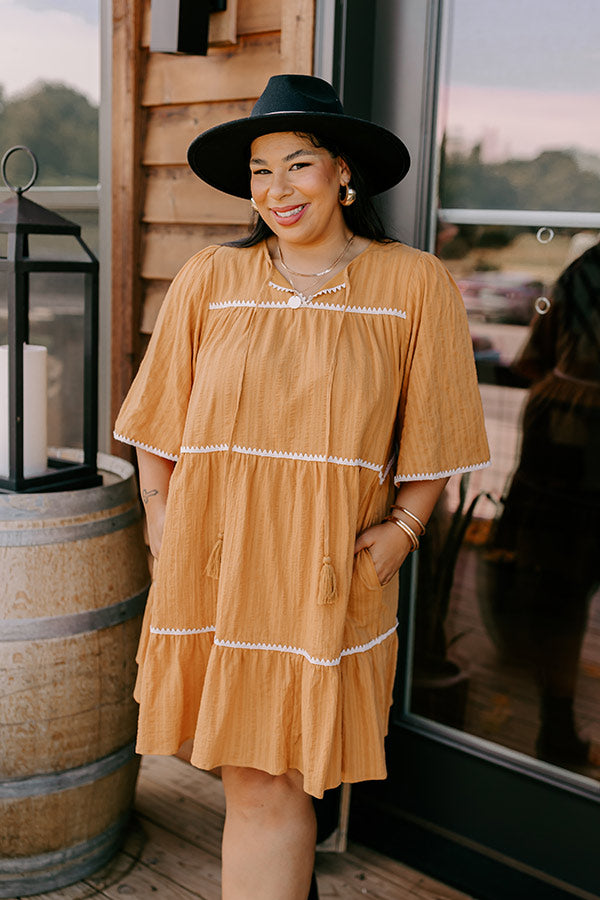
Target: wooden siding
(162,213)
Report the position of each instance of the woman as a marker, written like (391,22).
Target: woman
(286,378)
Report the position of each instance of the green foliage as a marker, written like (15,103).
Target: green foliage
(61,127)
(467,182)
(553,180)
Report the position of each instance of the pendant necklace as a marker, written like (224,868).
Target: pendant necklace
(300,298)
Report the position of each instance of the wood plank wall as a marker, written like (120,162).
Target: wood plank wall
(162,213)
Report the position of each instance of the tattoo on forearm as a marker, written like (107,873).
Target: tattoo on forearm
(147,494)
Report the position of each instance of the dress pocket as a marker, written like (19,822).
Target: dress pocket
(364,569)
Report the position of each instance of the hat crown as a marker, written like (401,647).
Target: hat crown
(297,93)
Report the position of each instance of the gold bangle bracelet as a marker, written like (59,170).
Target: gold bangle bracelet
(412,516)
(414,540)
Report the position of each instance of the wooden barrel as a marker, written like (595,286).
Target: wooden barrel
(73,583)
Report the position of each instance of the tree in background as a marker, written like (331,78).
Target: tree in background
(60,126)
(555,179)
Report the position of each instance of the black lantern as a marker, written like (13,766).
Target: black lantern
(19,219)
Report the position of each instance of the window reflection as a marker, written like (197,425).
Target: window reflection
(542,567)
(507,630)
(519,127)
(507,637)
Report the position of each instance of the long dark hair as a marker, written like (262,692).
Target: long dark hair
(361,218)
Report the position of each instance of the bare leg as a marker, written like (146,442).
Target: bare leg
(269,836)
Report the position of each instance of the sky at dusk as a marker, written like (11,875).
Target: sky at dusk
(53,40)
(523,75)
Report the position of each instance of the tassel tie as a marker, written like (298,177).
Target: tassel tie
(327,578)
(327,583)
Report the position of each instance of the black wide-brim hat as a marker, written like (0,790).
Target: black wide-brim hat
(301,103)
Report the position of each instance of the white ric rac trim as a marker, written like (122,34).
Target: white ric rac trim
(154,450)
(281,648)
(291,290)
(431,476)
(282,454)
(179,631)
(362,310)
(208,448)
(334,307)
(308,457)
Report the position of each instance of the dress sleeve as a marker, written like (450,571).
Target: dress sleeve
(440,427)
(154,411)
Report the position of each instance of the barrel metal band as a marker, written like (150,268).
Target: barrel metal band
(27,875)
(52,783)
(73,623)
(57,535)
(40,861)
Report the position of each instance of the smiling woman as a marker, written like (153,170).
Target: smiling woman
(305,396)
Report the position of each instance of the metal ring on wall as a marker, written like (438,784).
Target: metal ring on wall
(542,305)
(545,234)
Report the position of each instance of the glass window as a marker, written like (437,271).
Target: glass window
(507,631)
(50,86)
(520,124)
(49,99)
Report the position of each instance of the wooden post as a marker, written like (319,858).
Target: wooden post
(127,64)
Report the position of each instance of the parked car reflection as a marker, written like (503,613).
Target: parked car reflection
(506,297)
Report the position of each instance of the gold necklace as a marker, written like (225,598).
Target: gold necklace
(314,274)
(300,298)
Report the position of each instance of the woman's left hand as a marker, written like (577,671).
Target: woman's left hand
(388,545)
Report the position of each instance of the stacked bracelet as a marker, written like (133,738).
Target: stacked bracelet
(414,540)
(411,515)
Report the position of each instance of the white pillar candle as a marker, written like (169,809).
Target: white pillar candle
(35,440)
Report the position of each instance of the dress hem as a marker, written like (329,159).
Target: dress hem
(345,778)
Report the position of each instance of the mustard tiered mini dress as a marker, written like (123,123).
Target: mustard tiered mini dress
(290,425)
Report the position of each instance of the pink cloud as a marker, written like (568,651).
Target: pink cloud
(523,122)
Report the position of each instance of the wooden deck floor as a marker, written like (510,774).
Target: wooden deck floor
(173,850)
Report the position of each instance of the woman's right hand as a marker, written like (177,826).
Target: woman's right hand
(155,474)
(155,522)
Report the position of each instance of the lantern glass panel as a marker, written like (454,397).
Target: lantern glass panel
(56,247)
(56,305)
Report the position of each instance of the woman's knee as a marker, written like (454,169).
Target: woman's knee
(255,792)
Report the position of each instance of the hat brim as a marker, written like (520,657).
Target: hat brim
(221,155)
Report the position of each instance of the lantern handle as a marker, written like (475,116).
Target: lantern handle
(19,189)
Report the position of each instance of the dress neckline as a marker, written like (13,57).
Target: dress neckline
(336,281)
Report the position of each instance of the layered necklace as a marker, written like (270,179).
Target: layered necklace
(303,297)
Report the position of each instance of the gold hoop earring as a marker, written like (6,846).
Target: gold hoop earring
(253,204)
(347,195)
